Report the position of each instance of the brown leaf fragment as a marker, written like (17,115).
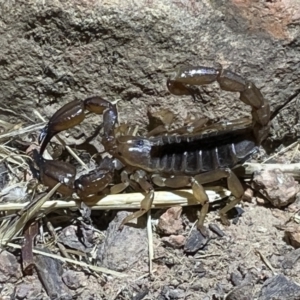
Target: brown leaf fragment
(30,232)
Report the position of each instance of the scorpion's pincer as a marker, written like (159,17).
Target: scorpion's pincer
(51,172)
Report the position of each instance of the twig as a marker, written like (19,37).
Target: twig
(281,151)
(150,241)
(265,260)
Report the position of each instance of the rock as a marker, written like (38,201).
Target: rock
(175,241)
(123,248)
(170,222)
(248,195)
(279,288)
(243,292)
(290,259)
(195,241)
(74,280)
(292,235)
(49,271)
(70,237)
(278,187)
(30,289)
(59,52)
(216,229)
(9,267)
(170,293)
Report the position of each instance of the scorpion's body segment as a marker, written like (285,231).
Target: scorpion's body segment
(187,154)
(171,160)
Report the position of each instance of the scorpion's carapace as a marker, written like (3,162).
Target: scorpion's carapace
(172,160)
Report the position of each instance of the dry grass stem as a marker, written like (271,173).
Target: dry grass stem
(281,151)
(293,169)
(72,261)
(30,128)
(132,200)
(9,229)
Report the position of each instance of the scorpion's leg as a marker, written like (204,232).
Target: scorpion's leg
(198,192)
(233,183)
(73,113)
(120,187)
(146,203)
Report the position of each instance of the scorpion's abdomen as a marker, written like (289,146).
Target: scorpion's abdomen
(191,155)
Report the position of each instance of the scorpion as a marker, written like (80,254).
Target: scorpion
(165,160)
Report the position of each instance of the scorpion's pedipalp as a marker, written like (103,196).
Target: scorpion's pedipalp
(90,185)
(93,183)
(86,186)
(52,172)
(98,105)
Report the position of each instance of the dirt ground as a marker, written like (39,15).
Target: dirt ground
(52,52)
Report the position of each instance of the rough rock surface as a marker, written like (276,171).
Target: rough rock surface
(60,51)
